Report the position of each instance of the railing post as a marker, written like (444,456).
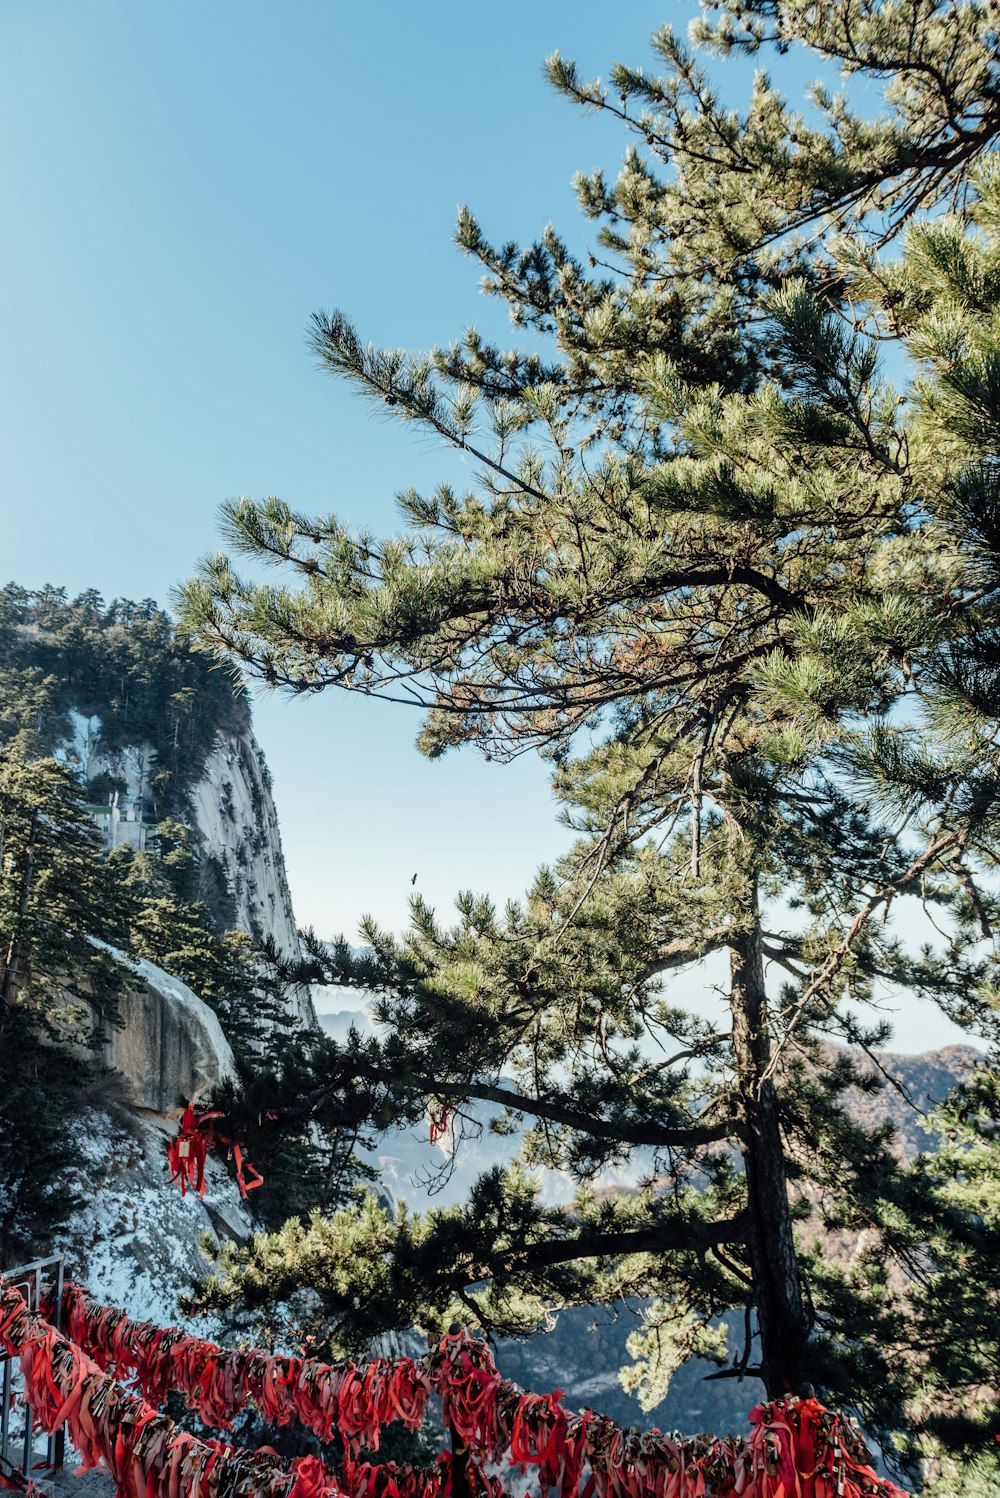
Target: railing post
(57,1447)
(460,1487)
(30,1279)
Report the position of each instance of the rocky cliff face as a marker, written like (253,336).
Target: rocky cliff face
(137,1242)
(169,1045)
(233,812)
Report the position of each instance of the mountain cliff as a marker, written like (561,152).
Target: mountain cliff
(156,765)
(230,807)
(160,736)
(233,810)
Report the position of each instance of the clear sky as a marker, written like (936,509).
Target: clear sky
(182,185)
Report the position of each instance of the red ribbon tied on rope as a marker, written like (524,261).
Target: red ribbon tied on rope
(145,1452)
(795,1449)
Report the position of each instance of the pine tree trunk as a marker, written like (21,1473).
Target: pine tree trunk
(781,1313)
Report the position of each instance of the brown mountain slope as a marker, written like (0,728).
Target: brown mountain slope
(920,1081)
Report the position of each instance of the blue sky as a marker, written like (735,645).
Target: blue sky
(183,184)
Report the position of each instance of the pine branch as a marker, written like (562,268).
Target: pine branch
(350,1067)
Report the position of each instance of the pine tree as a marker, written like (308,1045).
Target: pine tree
(731,582)
(38,1151)
(57,986)
(56,901)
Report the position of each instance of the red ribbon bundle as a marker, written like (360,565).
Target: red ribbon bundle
(797,1449)
(146,1453)
(220,1382)
(187,1153)
(368,1480)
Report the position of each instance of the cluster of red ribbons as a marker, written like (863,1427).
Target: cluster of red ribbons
(352,1402)
(150,1457)
(147,1454)
(796,1449)
(188,1151)
(387,1480)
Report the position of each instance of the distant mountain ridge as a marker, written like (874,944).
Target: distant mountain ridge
(923,1079)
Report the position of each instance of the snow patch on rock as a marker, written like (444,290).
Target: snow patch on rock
(131,763)
(135,1242)
(82,747)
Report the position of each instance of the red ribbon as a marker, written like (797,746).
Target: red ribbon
(146,1453)
(796,1448)
(438,1120)
(187,1153)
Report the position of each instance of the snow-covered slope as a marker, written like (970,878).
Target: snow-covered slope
(136,1241)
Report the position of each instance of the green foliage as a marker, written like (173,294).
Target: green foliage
(58,984)
(957,1295)
(56,901)
(743,593)
(979,1477)
(346,1276)
(663,1343)
(37,1146)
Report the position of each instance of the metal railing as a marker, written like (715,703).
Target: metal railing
(24,1451)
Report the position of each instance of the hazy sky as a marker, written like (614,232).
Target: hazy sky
(183,184)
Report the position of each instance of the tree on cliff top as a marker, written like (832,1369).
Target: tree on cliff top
(743,595)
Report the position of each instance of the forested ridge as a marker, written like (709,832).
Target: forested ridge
(123,663)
